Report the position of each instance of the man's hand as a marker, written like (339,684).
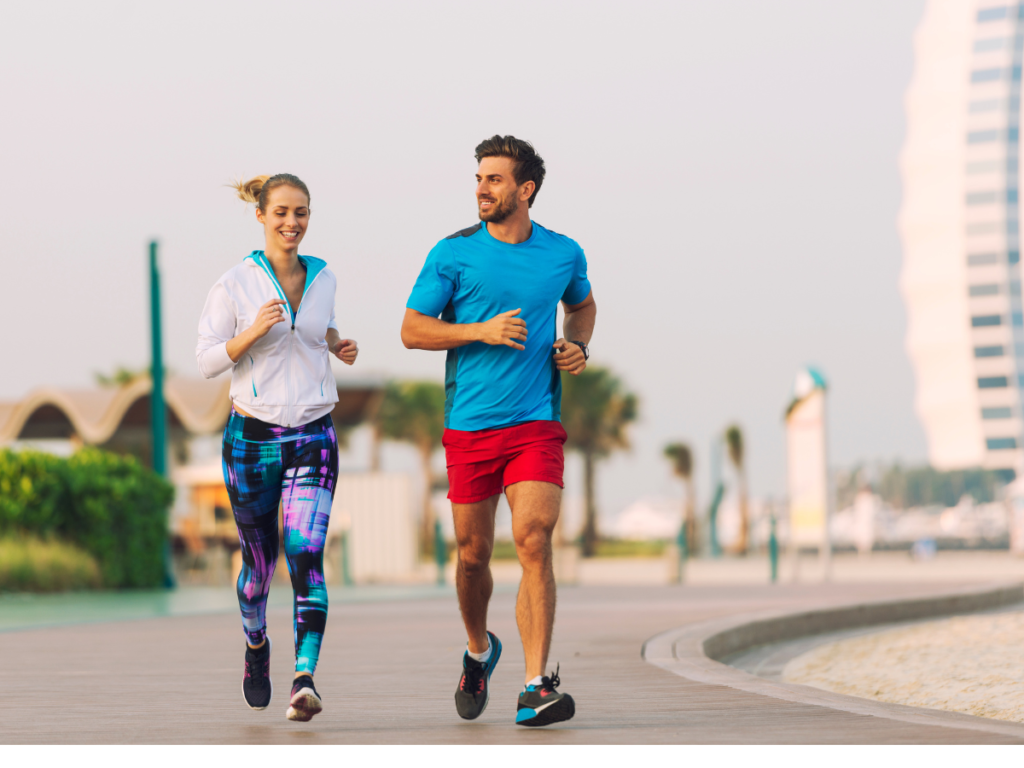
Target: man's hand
(569,357)
(505,329)
(346,350)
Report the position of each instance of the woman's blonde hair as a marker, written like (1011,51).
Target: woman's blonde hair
(256,189)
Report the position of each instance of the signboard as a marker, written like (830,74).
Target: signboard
(807,463)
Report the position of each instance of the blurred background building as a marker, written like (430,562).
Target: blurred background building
(960,225)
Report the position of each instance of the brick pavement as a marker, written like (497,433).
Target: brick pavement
(388,673)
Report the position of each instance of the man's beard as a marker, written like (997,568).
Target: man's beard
(501,211)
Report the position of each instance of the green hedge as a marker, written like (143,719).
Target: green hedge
(108,505)
(33,565)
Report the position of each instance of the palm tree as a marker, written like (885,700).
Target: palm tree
(682,465)
(595,412)
(413,412)
(734,442)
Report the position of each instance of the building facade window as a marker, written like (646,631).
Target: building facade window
(983,290)
(986,321)
(992,44)
(993,382)
(985,227)
(982,259)
(980,106)
(984,166)
(987,75)
(982,137)
(989,351)
(981,198)
(996,413)
(995,13)
(1000,443)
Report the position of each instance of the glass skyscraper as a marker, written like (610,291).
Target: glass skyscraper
(960,226)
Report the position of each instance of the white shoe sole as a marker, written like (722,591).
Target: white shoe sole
(260,709)
(304,705)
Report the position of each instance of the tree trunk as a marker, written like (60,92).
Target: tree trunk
(376,440)
(427,521)
(743,544)
(590,524)
(690,519)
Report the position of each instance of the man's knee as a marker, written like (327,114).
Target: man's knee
(533,546)
(474,555)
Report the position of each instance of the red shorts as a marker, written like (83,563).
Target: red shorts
(485,462)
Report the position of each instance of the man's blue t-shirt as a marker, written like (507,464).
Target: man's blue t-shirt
(470,277)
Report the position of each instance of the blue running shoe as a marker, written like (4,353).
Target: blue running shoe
(543,705)
(475,684)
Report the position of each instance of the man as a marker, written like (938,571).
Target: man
(496,287)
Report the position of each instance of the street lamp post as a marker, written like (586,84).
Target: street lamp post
(157,408)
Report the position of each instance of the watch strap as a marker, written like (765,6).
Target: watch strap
(584,347)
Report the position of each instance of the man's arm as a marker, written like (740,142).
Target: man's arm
(421,331)
(578,325)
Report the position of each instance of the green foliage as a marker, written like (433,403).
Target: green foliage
(119,377)
(109,505)
(30,564)
(626,548)
(682,459)
(123,376)
(595,411)
(506,550)
(919,486)
(413,412)
(734,444)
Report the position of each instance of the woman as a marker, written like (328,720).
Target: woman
(270,320)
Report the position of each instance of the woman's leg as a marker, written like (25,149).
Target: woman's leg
(308,485)
(252,473)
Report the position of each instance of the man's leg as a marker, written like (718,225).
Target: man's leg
(535,506)
(474,534)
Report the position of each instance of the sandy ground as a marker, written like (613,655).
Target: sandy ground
(969,664)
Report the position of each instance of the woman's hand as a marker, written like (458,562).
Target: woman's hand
(346,350)
(270,314)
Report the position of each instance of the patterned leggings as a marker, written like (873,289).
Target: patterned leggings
(265,465)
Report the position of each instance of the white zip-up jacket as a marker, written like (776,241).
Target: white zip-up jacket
(285,378)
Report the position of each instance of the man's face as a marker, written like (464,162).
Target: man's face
(497,194)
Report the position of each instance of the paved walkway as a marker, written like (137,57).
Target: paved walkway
(389,670)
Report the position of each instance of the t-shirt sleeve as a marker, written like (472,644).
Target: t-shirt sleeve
(435,286)
(579,286)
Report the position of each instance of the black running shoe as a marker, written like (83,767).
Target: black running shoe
(543,705)
(475,684)
(256,686)
(305,700)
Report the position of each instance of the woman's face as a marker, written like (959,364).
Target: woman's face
(285,219)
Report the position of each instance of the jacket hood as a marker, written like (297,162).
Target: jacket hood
(313,265)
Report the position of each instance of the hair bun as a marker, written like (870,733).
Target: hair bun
(249,191)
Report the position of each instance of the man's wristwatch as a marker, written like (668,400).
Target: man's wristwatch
(585,348)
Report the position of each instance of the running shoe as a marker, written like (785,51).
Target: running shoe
(543,705)
(305,701)
(474,689)
(256,686)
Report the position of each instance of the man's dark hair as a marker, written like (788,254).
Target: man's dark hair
(527,165)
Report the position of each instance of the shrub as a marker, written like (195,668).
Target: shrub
(34,565)
(108,505)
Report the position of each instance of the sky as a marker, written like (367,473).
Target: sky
(730,169)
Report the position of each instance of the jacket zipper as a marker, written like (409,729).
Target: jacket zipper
(291,337)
